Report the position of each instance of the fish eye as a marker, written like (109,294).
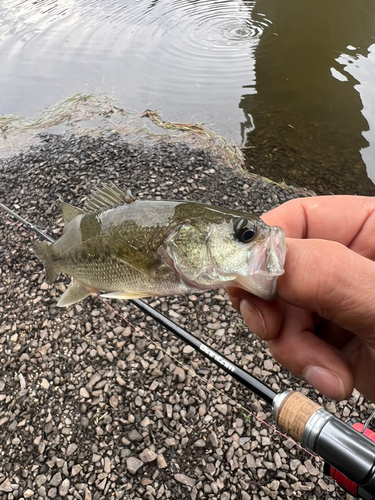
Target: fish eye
(244,230)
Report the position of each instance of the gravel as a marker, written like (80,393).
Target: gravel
(94,408)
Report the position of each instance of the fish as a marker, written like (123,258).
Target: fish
(126,248)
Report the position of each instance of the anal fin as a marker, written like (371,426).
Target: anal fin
(75,292)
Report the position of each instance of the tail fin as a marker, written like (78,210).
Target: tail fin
(44,253)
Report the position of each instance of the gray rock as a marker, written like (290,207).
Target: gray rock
(213,439)
(134,435)
(200,443)
(294,464)
(250,461)
(113,401)
(52,492)
(274,485)
(71,449)
(222,408)
(133,464)
(102,484)
(76,469)
(311,468)
(64,487)
(22,381)
(147,455)
(83,392)
(107,465)
(41,479)
(160,460)
(45,384)
(6,486)
(188,481)
(56,479)
(261,473)
(323,485)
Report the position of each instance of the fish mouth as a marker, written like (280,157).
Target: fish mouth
(266,264)
(276,252)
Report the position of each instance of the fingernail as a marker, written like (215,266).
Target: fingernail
(325,381)
(253,318)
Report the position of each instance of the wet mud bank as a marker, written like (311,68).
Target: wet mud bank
(94,408)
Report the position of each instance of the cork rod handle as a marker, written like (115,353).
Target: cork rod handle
(294,413)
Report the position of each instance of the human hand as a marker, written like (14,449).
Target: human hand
(322,325)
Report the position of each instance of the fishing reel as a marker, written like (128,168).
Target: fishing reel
(349,486)
(348,449)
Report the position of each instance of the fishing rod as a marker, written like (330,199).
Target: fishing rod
(348,449)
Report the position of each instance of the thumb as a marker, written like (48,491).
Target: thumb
(338,284)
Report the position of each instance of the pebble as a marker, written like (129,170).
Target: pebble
(268,364)
(201,443)
(52,493)
(64,487)
(40,479)
(113,401)
(311,468)
(222,408)
(182,478)
(45,384)
(56,479)
(147,455)
(250,461)
(323,485)
(22,381)
(76,469)
(214,440)
(160,460)
(173,314)
(83,392)
(134,435)
(274,485)
(133,464)
(71,449)
(107,465)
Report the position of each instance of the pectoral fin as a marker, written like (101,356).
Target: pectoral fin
(75,292)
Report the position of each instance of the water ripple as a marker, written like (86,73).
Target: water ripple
(147,52)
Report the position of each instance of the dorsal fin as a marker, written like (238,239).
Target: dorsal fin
(69,212)
(109,196)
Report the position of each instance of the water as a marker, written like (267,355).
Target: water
(291,81)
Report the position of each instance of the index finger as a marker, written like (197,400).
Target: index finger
(349,220)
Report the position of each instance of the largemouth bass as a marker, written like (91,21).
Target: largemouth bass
(131,248)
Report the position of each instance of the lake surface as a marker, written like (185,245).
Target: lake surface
(292,81)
